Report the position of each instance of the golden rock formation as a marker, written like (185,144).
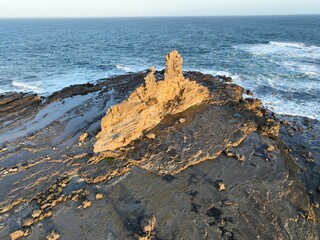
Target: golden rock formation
(148,105)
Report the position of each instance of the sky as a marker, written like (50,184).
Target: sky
(139,8)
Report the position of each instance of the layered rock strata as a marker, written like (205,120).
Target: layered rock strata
(220,169)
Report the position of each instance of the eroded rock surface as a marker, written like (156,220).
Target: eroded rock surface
(148,105)
(225,168)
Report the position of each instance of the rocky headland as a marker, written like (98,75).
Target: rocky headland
(156,155)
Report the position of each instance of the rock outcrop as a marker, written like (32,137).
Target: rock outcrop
(224,168)
(148,105)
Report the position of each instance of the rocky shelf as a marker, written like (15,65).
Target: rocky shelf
(156,155)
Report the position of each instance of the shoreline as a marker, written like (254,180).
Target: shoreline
(98,81)
(268,167)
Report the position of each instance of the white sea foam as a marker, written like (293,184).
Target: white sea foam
(49,84)
(120,68)
(294,60)
(293,107)
(306,68)
(26,86)
(295,57)
(277,95)
(123,68)
(313,74)
(287,44)
(283,49)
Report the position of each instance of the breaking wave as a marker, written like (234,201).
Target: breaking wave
(26,87)
(287,78)
(283,50)
(286,44)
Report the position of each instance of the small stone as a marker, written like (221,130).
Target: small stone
(285,122)
(229,153)
(249,92)
(63,198)
(46,205)
(82,138)
(41,217)
(27,222)
(99,196)
(53,236)
(182,120)
(227,202)
(228,79)
(151,136)
(316,205)
(221,187)
(49,197)
(14,169)
(66,180)
(48,214)
(27,232)
(222,223)
(17,234)
(75,198)
(36,213)
(3,149)
(148,224)
(240,157)
(86,204)
(270,148)
(310,160)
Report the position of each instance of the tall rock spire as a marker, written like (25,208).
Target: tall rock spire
(173,66)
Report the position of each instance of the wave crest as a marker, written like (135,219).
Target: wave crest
(287,44)
(27,87)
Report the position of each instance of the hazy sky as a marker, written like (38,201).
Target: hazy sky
(112,8)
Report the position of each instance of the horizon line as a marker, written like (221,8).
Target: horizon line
(169,16)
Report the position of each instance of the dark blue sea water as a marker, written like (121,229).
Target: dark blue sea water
(277,57)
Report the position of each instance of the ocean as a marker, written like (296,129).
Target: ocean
(276,57)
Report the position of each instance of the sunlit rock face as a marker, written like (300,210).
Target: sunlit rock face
(148,105)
